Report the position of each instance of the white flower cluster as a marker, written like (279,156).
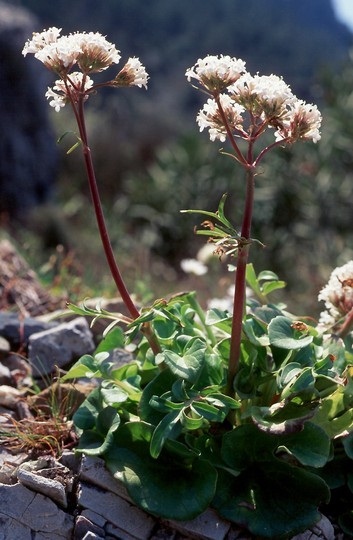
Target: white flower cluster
(337,295)
(91,52)
(266,99)
(215,73)
(132,74)
(74,84)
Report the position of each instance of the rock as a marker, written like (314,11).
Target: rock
(124,516)
(48,477)
(323,530)
(9,396)
(5,374)
(51,488)
(23,512)
(20,369)
(208,526)
(93,470)
(59,346)
(18,330)
(84,526)
(4,345)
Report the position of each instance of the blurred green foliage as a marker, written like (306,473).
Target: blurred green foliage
(151,161)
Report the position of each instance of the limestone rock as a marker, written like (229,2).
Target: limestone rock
(18,330)
(23,511)
(59,346)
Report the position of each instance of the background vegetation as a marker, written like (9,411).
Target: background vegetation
(152,162)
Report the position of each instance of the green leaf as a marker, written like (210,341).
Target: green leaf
(255,332)
(271,499)
(210,412)
(271,286)
(267,275)
(283,336)
(86,366)
(86,415)
(176,486)
(114,395)
(96,441)
(165,405)
(188,365)
(167,428)
(191,419)
(310,446)
(161,384)
(348,445)
(113,340)
(267,487)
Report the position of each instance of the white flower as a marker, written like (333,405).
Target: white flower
(132,74)
(91,51)
(337,295)
(210,118)
(59,56)
(97,54)
(303,122)
(263,95)
(58,95)
(40,40)
(193,266)
(215,73)
(56,101)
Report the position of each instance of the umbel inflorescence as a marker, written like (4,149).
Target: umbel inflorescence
(77,56)
(242,105)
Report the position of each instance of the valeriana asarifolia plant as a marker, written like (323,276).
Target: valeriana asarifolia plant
(238,413)
(74,59)
(241,107)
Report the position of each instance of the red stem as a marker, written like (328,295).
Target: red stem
(103,231)
(240,282)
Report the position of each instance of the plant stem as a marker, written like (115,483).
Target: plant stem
(103,231)
(240,282)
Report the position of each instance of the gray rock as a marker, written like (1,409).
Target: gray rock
(4,345)
(94,518)
(127,518)
(59,346)
(84,526)
(93,470)
(20,369)
(208,526)
(34,511)
(92,536)
(323,530)
(5,375)
(17,330)
(51,488)
(13,530)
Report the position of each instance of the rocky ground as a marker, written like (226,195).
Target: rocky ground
(46,491)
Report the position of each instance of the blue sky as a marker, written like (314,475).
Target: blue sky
(344,11)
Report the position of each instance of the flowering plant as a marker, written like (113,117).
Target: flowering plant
(249,412)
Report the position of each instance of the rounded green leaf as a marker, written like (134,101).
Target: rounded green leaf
(271,499)
(283,336)
(311,446)
(171,486)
